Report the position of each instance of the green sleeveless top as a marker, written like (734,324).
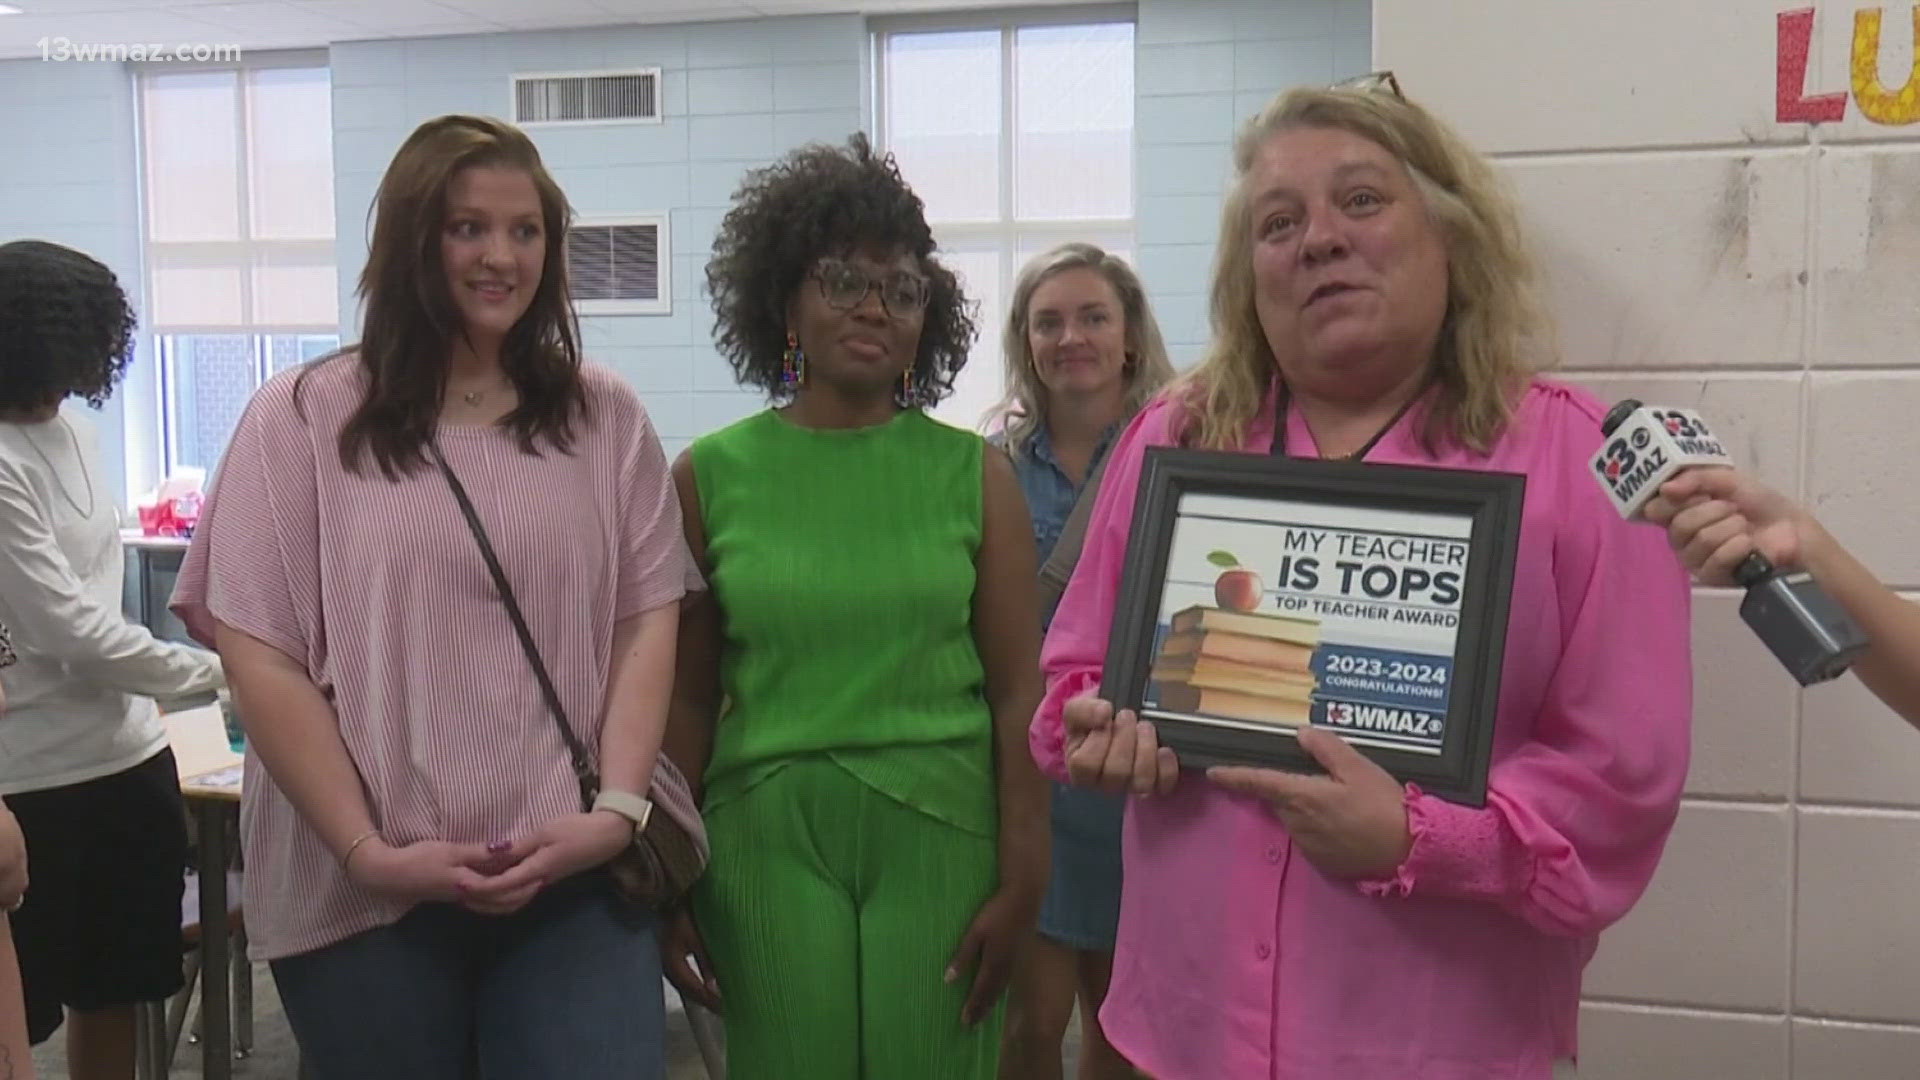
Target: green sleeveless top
(843,564)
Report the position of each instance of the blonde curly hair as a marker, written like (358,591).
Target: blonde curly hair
(1496,333)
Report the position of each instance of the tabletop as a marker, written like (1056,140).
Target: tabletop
(208,767)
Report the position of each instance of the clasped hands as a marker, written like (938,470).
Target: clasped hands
(1351,823)
(498,878)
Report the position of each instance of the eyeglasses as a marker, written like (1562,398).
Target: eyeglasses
(1372,81)
(845,286)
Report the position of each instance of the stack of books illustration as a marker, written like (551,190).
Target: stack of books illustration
(1238,665)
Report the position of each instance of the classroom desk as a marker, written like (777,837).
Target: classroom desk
(210,784)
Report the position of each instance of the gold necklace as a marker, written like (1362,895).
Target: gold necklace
(474,397)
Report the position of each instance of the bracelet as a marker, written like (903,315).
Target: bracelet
(627,805)
(357,841)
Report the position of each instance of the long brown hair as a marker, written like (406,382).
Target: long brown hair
(1496,332)
(412,322)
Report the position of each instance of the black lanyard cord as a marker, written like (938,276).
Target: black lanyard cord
(1279,448)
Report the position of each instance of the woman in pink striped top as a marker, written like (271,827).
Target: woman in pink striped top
(419,868)
(1372,300)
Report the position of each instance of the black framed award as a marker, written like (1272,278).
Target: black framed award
(1263,594)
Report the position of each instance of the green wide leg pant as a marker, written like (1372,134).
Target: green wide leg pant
(831,911)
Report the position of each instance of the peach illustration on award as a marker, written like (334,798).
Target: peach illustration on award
(1236,588)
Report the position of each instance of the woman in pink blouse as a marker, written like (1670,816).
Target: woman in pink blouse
(1373,294)
(420,869)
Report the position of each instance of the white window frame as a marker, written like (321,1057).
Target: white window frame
(158,452)
(1008,233)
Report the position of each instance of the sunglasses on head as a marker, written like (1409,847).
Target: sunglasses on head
(1372,81)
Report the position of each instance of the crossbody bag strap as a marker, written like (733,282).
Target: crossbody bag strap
(1073,536)
(582,767)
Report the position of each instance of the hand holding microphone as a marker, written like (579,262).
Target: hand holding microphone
(1646,448)
(1716,517)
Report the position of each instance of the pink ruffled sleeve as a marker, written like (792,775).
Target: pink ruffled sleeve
(1578,814)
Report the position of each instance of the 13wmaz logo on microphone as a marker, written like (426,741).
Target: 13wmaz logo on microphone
(1628,462)
(1690,434)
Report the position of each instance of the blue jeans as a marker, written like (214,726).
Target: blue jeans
(567,986)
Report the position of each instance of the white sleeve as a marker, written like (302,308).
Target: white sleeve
(51,615)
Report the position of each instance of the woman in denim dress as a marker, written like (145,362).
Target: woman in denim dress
(1083,355)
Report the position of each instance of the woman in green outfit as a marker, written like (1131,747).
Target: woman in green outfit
(879,829)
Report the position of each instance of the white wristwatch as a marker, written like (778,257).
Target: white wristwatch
(627,805)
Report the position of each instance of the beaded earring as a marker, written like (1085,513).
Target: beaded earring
(793,362)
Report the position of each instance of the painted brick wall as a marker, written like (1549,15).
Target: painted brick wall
(1702,253)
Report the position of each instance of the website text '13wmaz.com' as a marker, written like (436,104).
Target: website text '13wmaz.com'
(63,49)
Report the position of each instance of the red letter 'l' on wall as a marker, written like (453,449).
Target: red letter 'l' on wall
(1795,107)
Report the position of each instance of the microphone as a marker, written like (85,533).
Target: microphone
(1808,632)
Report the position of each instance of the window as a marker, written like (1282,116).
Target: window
(237,191)
(1018,135)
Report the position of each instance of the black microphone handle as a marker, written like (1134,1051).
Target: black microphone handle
(1753,569)
(1618,415)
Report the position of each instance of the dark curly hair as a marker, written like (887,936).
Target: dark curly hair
(66,329)
(826,200)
